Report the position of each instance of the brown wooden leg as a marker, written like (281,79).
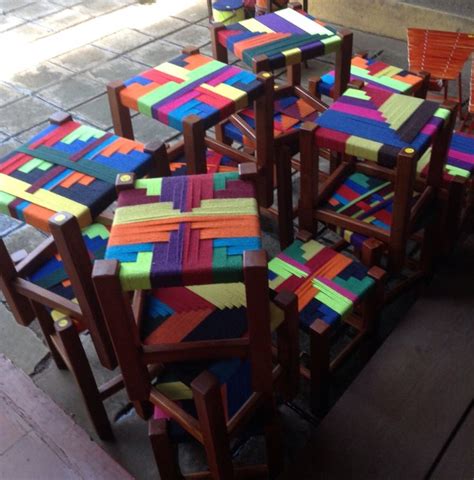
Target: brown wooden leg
(80,368)
(293,74)
(121,119)
(288,343)
(285,197)
(163,451)
(453,212)
(371,252)
(258,317)
(220,134)
(194,145)
(273,437)
(144,409)
(309,177)
(160,166)
(319,353)
(423,89)
(313,86)
(219,52)
(265,152)
(403,194)
(343,64)
(47,327)
(209,406)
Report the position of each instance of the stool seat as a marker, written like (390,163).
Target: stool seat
(286,37)
(51,275)
(376,125)
(375,73)
(184,230)
(327,283)
(215,162)
(366,198)
(460,161)
(191,84)
(289,114)
(67,167)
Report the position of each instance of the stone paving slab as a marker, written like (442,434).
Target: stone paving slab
(123,41)
(39,441)
(40,76)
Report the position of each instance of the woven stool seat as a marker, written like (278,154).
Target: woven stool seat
(460,161)
(289,114)
(68,167)
(190,84)
(184,230)
(286,37)
(215,162)
(51,275)
(365,198)
(377,74)
(327,283)
(376,125)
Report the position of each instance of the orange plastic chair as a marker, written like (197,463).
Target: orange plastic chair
(442,54)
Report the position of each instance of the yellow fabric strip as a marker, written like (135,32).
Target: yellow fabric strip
(44,198)
(175,390)
(388,71)
(311,248)
(354,93)
(227,295)
(253,25)
(239,97)
(399,108)
(361,147)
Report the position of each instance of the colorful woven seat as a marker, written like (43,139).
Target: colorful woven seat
(215,162)
(184,230)
(290,113)
(376,125)
(286,37)
(375,73)
(190,84)
(52,276)
(460,161)
(327,283)
(365,198)
(68,167)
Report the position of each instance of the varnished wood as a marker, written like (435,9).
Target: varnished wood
(121,119)
(194,146)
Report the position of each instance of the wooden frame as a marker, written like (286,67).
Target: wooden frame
(29,301)
(403,178)
(210,428)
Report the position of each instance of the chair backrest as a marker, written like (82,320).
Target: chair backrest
(442,54)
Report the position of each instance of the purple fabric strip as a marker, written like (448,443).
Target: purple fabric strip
(279,24)
(173,189)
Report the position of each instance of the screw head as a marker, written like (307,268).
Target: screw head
(62,323)
(409,150)
(125,178)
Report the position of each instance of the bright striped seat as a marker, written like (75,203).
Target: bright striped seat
(184,230)
(286,37)
(327,283)
(68,167)
(460,161)
(289,114)
(191,85)
(52,276)
(375,73)
(366,198)
(376,125)
(216,163)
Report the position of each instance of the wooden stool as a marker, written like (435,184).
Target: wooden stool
(363,124)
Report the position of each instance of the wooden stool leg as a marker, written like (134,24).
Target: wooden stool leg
(47,327)
(343,64)
(194,145)
(284,197)
(160,166)
(273,438)
(371,252)
(219,52)
(319,352)
(220,134)
(80,368)
(164,452)
(453,212)
(121,118)
(208,400)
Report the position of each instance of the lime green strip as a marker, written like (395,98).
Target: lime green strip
(331,44)
(362,147)
(84,133)
(175,390)
(362,197)
(5,200)
(152,185)
(280,267)
(96,230)
(354,93)
(135,276)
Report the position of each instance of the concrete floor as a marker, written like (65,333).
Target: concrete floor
(65,52)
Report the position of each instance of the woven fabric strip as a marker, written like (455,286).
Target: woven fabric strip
(327,283)
(376,125)
(286,37)
(184,230)
(191,85)
(374,73)
(289,114)
(69,167)
(460,160)
(215,163)
(52,276)
(365,198)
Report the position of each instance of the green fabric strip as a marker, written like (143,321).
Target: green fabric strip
(362,197)
(87,167)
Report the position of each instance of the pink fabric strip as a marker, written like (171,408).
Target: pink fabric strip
(358,111)
(338,288)
(294,263)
